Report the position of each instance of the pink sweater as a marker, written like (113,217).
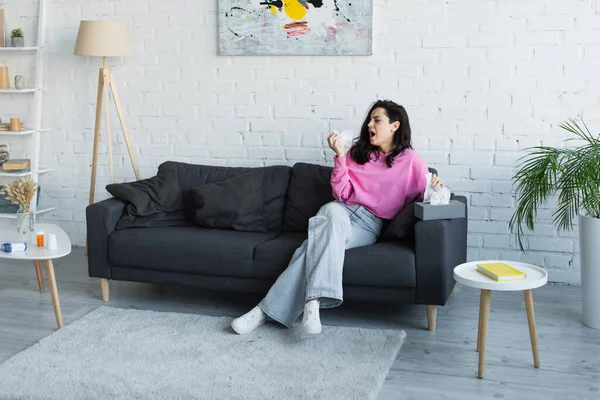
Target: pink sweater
(381,190)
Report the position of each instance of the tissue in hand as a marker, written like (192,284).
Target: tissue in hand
(346,138)
(435,196)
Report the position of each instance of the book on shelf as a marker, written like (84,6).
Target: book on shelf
(500,272)
(16,165)
(5,127)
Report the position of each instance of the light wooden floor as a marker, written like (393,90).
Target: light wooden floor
(430,365)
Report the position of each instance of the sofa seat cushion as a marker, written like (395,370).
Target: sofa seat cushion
(272,257)
(385,264)
(192,250)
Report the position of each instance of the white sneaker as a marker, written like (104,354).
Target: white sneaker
(311,322)
(249,321)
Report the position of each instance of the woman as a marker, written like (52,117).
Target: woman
(372,182)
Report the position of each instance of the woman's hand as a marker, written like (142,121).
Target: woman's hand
(336,144)
(436,181)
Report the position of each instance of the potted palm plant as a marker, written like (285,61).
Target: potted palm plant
(573,174)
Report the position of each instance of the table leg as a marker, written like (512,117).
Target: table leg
(40,277)
(479,323)
(54,292)
(531,322)
(485,317)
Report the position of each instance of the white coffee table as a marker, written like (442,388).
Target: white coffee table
(37,254)
(535,277)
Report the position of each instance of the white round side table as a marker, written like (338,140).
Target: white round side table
(534,277)
(42,254)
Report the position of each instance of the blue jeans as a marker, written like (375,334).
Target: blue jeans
(315,270)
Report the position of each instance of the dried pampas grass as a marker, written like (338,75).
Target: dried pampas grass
(21,192)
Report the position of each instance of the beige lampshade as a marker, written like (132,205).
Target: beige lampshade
(103,39)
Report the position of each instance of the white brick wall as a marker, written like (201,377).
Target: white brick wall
(481,81)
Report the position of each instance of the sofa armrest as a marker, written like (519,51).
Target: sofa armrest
(102,218)
(440,245)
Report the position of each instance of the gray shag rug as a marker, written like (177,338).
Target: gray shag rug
(116,353)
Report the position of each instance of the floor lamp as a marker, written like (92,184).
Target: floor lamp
(105,39)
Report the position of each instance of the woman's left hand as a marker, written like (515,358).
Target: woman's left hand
(436,181)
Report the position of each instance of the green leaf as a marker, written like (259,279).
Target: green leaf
(572,173)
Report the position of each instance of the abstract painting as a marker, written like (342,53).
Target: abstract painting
(295,27)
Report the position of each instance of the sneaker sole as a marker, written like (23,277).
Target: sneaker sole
(240,331)
(237,330)
(311,331)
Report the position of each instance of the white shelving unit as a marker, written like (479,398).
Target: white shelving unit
(16,91)
(33,135)
(22,133)
(25,173)
(12,49)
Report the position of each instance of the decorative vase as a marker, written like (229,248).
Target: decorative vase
(17,41)
(19,82)
(25,225)
(589,235)
(4,79)
(4,154)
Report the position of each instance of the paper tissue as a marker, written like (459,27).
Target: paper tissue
(436,204)
(346,138)
(435,196)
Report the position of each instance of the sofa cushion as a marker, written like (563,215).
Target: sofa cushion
(235,203)
(149,196)
(274,185)
(152,202)
(383,264)
(187,249)
(309,190)
(402,226)
(271,258)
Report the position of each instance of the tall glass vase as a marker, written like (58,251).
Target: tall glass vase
(25,225)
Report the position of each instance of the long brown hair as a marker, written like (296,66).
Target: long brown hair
(362,149)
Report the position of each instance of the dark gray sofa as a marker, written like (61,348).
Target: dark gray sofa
(414,268)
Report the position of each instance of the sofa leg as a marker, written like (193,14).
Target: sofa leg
(431,317)
(104,287)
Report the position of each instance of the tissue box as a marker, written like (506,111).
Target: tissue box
(426,212)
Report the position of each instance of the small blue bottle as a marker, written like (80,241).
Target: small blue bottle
(10,247)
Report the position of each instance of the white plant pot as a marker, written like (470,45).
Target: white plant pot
(17,42)
(589,238)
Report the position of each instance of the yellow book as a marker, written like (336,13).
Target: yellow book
(500,272)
